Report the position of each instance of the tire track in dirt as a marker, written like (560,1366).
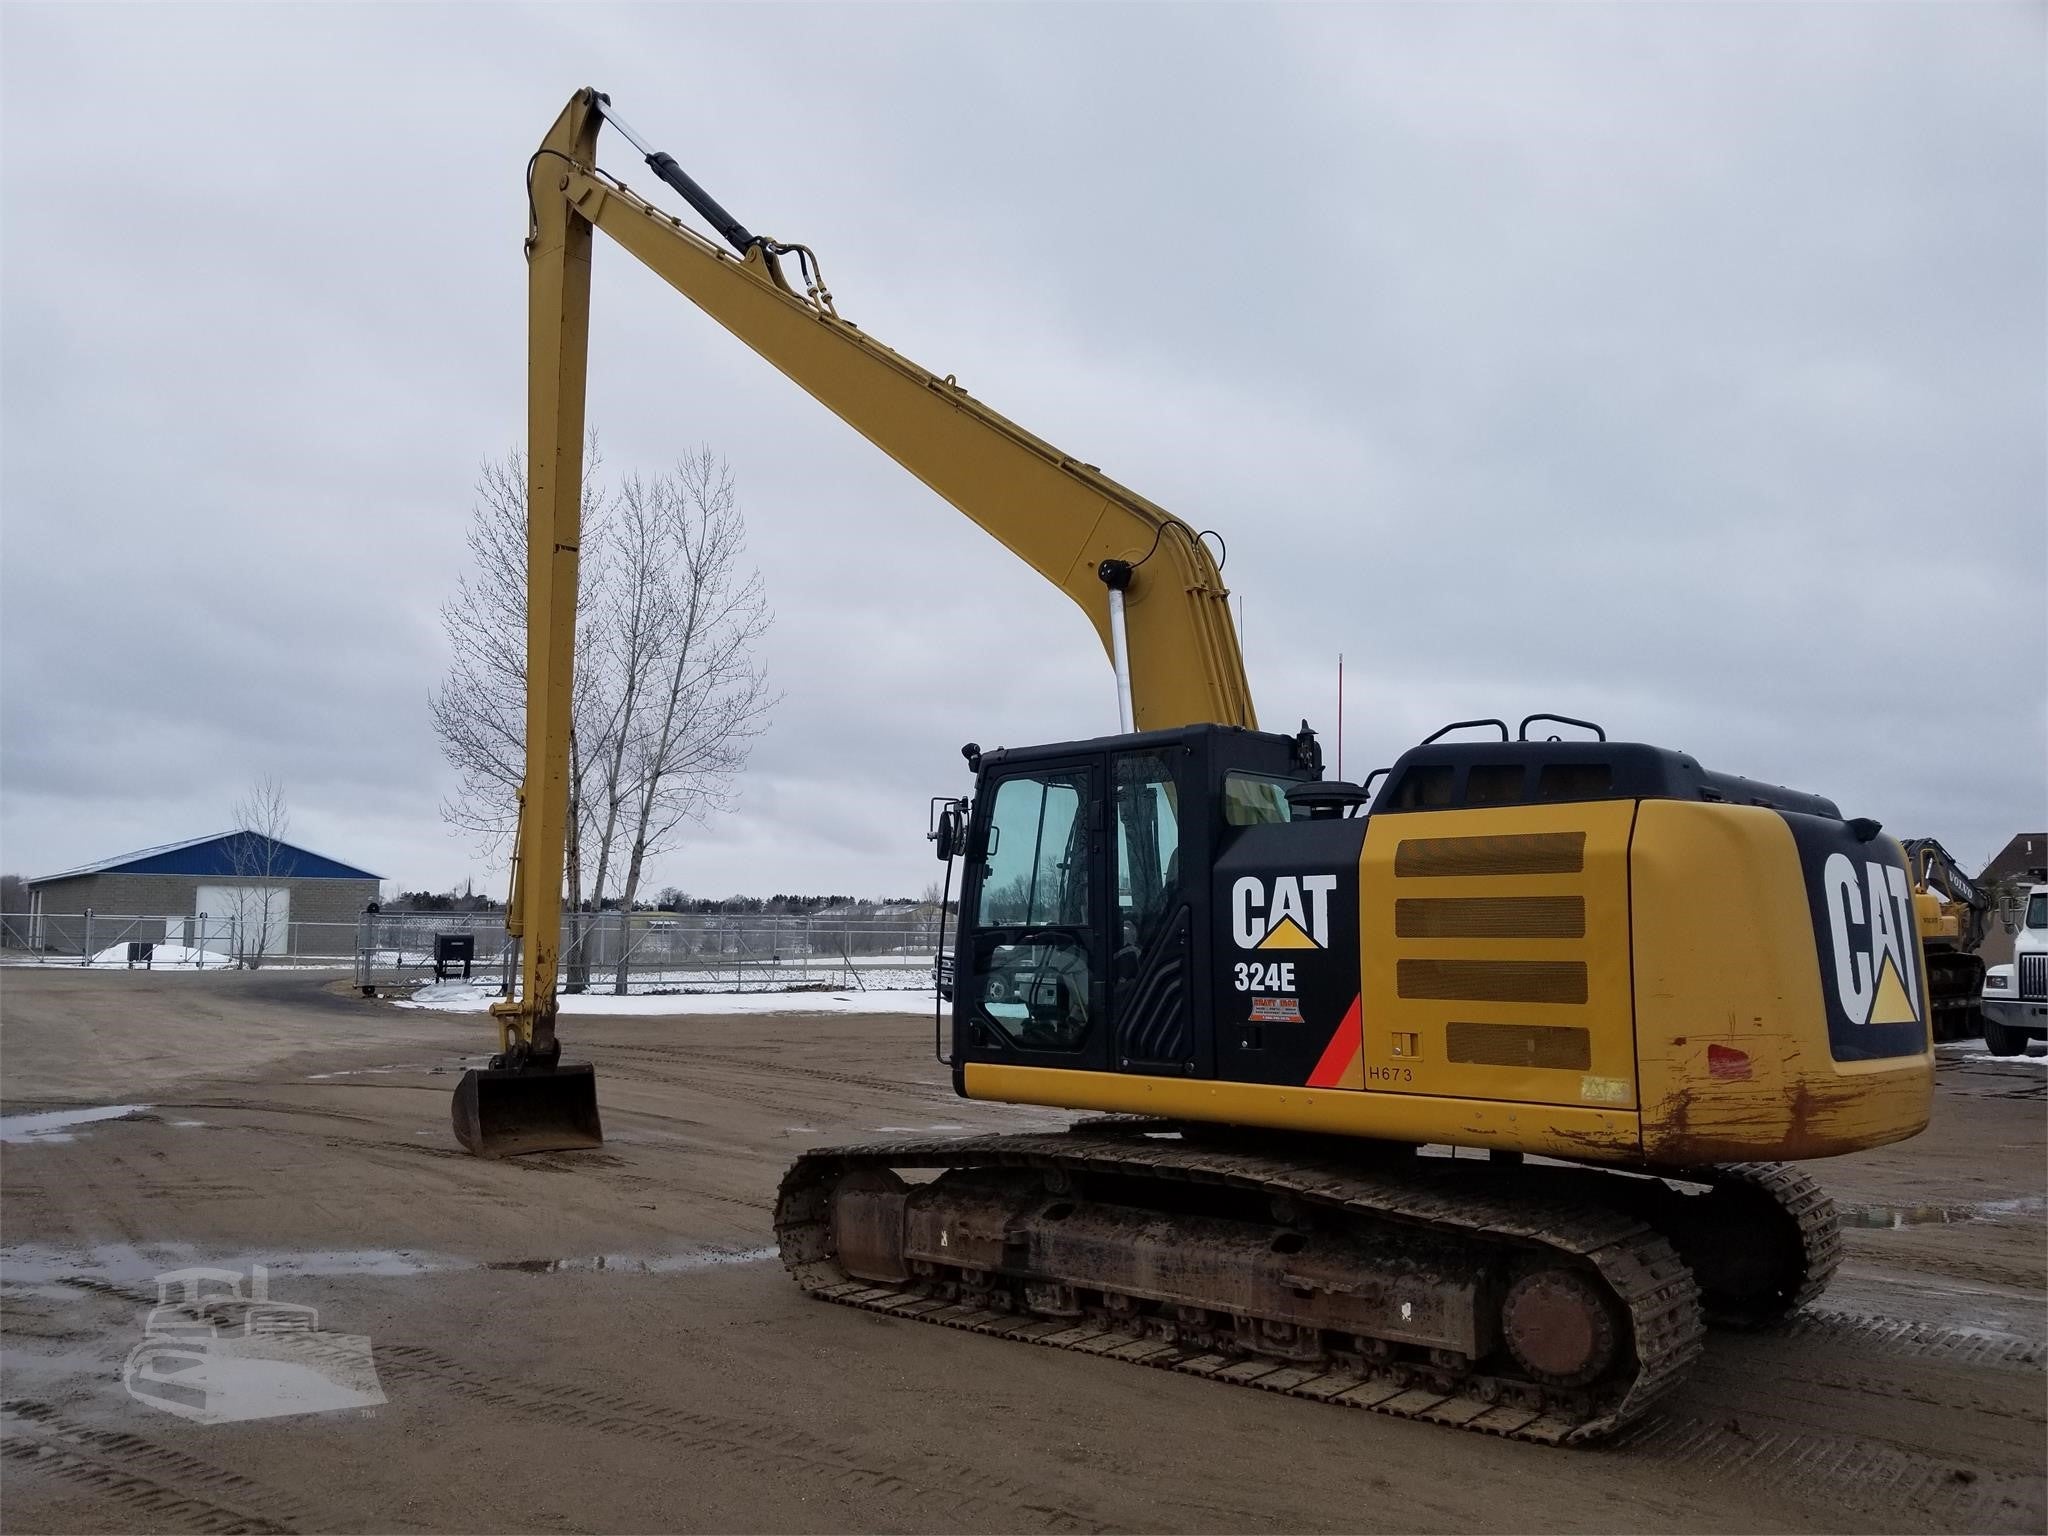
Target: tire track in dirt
(686,1056)
(133,1295)
(1842,1471)
(768,1450)
(172,1490)
(1981,1349)
(763,1097)
(1729,1380)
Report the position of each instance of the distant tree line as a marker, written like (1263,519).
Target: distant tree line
(673,899)
(441,901)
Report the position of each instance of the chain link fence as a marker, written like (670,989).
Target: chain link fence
(651,952)
(197,941)
(601,951)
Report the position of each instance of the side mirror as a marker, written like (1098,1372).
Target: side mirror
(948,830)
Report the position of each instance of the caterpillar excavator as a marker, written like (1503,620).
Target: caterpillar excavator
(1468,1093)
(1953,918)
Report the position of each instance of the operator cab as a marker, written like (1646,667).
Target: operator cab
(1086,902)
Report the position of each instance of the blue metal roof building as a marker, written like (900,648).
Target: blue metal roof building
(238,892)
(224,855)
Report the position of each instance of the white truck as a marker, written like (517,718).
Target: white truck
(2015,1001)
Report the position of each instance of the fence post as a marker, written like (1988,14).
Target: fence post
(85,956)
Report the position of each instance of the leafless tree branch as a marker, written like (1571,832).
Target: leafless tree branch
(668,695)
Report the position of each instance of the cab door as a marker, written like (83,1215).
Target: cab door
(1151,918)
(1031,972)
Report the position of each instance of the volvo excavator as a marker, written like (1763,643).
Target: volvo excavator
(1468,1093)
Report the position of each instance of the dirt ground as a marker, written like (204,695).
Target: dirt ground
(602,1341)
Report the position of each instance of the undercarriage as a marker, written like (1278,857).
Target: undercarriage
(1543,1302)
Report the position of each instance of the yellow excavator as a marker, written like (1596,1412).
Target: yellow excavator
(1466,1093)
(1953,918)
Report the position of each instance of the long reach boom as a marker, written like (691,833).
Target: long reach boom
(1144,578)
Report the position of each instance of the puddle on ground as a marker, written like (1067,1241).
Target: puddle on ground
(1893,1218)
(899,1130)
(635,1263)
(56,1125)
(123,1265)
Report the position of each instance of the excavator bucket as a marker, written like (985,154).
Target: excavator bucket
(504,1111)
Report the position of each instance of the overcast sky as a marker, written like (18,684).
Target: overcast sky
(1677,366)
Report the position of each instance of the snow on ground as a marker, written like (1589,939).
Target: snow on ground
(165,957)
(469,997)
(1973,1050)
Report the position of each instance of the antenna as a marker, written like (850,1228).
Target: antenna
(1340,717)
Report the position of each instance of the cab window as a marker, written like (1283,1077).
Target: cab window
(2037,910)
(1254,800)
(1147,846)
(1030,977)
(1037,868)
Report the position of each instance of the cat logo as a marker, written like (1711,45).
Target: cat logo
(1876,941)
(1293,914)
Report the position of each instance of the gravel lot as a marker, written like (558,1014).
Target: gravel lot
(601,1341)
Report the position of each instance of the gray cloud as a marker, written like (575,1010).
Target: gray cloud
(1679,366)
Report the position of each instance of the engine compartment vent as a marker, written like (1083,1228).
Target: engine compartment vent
(1522,853)
(1490,917)
(1493,981)
(1519,1045)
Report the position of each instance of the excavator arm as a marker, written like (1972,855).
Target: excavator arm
(1143,577)
(1060,516)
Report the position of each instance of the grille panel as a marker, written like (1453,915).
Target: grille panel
(2034,978)
(1490,917)
(1519,1045)
(1524,853)
(1493,981)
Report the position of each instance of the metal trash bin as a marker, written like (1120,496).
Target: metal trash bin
(451,948)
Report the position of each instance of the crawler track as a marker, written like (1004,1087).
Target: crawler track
(1651,1290)
(1812,1247)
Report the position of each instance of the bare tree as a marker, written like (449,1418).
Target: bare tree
(707,698)
(261,863)
(479,709)
(634,611)
(667,693)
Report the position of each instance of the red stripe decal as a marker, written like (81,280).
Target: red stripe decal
(1346,1043)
